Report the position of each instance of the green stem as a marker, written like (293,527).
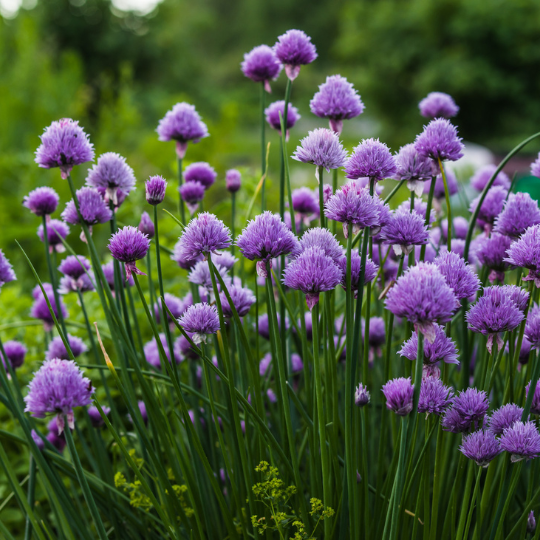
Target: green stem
(181,208)
(263,147)
(30,497)
(321,198)
(448,208)
(428,213)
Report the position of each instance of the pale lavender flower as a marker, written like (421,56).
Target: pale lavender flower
(152,355)
(177,306)
(460,226)
(420,208)
(439,140)
(146,225)
(201,320)
(423,297)
(225,259)
(242,299)
(95,417)
(74,266)
(57,349)
(399,395)
(481,446)
(525,253)
(183,125)
(435,397)
(233,180)
(110,174)
(204,234)
(483,175)
(532,327)
(64,144)
(40,443)
(305,201)
(265,238)
(460,276)
(6,270)
(413,167)
(129,245)
(108,272)
(15,353)
(92,208)
(520,212)
(57,388)
(312,272)
(438,105)
(491,207)
(58,440)
(262,65)
(377,332)
(468,410)
(182,259)
(276,110)
(521,441)
(56,232)
(202,172)
(361,396)
(40,309)
(371,159)
(438,192)
(322,148)
(294,49)
(336,100)
(200,274)
(442,348)
(356,266)
(404,231)
(264,325)
(535,405)
(192,194)
(531,523)
(183,349)
(323,239)
(525,351)
(155,190)
(519,296)
(42,201)
(535,167)
(504,417)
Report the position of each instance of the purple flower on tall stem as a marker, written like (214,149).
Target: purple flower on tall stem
(192,194)
(535,405)
(371,159)
(294,49)
(435,397)
(200,274)
(57,349)
(361,396)
(443,348)
(264,325)
(525,253)
(275,111)
(64,144)
(262,65)
(305,202)
(520,212)
(413,167)
(404,231)
(233,180)
(483,175)
(40,309)
(108,272)
(504,417)
(521,441)
(202,172)
(323,239)
(531,523)
(42,201)
(467,412)
(377,332)
(356,266)
(56,232)
(74,266)
(460,226)
(6,270)
(519,296)
(265,238)
(459,276)
(242,299)
(183,125)
(15,353)
(312,272)
(110,174)
(491,207)
(92,208)
(57,388)
(491,252)
(155,190)
(177,306)
(422,296)
(399,395)
(202,235)
(76,277)
(438,105)
(152,355)
(129,245)
(439,141)
(481,446)
(146,225)
(201,320)
(182,259)
(336,100)
(95,417)
(532,327)
(321,148)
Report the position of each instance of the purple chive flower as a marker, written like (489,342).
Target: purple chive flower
(519,296)
(262,65)
(483,175)
(531,523)
(399,395)
(356,265)
(184,261)
(481,446)
(504,417)
(58,440)
(183,125)
(491,207)
(57,388)
(460,277)
(74,266)
(535,167)
(42,201)
(95,417)
(520,212)
(438,192)
(535,405)
(521,441)
(423,297)
(192,194)
(40,309)
(92,208)
(405,230)
(532,327)
(312,272)
(40,443)
(377,332)
(225,259)
(294,49)
(129,245)
(336,100)
(420,208)
(305,201)
(525,351)
(200,320)
(200,275)
(264,325)
(361,396)
(439,140)
(15,353)
(64,144)
(177,306)
(242,299)
(6,270)
(322,148)
(146,225)
(371,159)
(151,351)
(442,348)
(322,239)
(183,349)
(525,253)
(308,323)
(200,172)
(204,234)
(108,271)
(413,167)
(494,312)
(155,190)
(233,180)
(57,349)
(460,226)
(438,105)
(265,238)
(434,398)
(110,174)
(144,413)
(277,109)
(467,411)
(56,231)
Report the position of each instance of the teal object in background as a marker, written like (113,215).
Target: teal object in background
(529,184)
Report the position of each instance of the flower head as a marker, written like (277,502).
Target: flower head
(15,353)
(491,207)
(95,417)
(200,172)
(504,417)
(361,396)
(531,523)
(64,144)
(242,299)
(129,245)
(520,212)
(40,309)
(182,259)
(483,175)
(481,446)
(56,232)
(74,267)
(233,180)
(108,272)
(371,159)
(110,174)
(439,140)
(294,49)
(146,225)
(264,325)
(276,110)
(438,105)
(525,253)
(460,226)
(200,274)
(6,270)
(152,354)
(261,65)
(356,266)
(399,395)
(92,207)
(532,327)
(192,194)
(377,332)
(201,320)
(42,201)
(413,167)
(177,306)
(57,388)
(491,253)
(322,148)
(405,230)
(336,100)
(521,440)
(535,405)
(519,296)
(434,398)
(460,277)
(155,190)
(442,348)
(323,239)
(468,410)
(305,201)
(57,349)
